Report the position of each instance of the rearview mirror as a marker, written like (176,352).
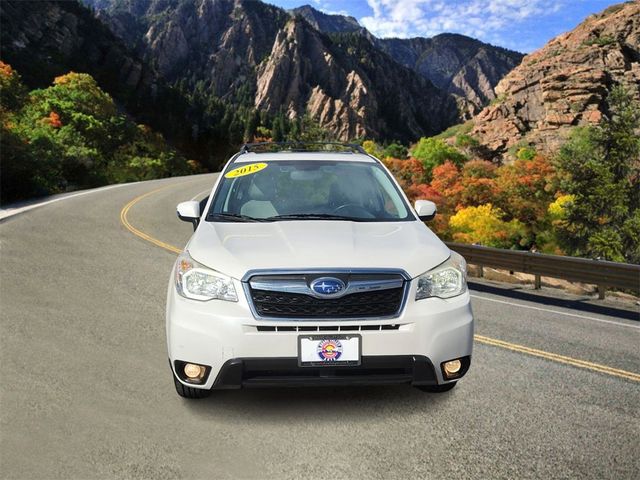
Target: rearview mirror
(189,212)
(426,210)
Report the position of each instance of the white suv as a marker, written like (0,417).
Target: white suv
(311,268)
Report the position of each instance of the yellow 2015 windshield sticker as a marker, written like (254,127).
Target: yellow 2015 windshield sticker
(246,170)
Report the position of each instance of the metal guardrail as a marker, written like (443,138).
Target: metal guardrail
(596,272)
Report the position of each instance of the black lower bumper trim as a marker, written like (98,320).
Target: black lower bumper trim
(373,370)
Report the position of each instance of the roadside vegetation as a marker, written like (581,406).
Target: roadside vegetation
(72,135)
(583,202)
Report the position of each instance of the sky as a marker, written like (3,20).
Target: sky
(522,25)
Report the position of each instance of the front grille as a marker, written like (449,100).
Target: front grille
(356,305)
(384,300)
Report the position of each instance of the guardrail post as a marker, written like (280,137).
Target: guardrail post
(481,273)
(538,282)
(601,291)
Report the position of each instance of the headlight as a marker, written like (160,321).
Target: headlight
(446,280)
(197,282)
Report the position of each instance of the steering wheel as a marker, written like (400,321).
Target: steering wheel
(359,208)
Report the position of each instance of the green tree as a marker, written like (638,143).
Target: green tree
(29,166)
(236,130)
(12,91)
(71,135)
(310,131)
(433,152)
(396,150)
(251,125)
(278,129)
(83,123)
(600,168)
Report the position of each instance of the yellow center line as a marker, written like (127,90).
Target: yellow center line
(554,357)
(125,221)
(616,372)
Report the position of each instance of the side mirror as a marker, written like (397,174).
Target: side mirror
(189,212)
(426,210)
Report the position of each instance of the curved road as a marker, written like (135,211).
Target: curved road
(554,388)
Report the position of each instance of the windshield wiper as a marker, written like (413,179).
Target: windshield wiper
(315,216)
(233,217)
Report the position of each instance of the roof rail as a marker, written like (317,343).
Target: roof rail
(301,147)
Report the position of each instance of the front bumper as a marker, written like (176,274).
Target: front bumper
(243,351)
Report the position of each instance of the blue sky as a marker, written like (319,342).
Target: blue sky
(523,25)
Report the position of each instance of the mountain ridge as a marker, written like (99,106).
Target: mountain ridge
(222,46)
(467,88)
(564,84)
(459,65)
(327,22)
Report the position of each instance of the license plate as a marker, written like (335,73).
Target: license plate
(329,350)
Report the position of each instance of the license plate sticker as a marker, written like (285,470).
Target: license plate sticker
(329,350)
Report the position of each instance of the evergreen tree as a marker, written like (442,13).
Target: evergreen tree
(251,124)
(396,150)
(600,168)
(278,130)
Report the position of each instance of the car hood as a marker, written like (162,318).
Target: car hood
(234,248)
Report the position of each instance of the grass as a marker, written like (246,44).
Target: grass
(600,41)
(499,99)
(455,130)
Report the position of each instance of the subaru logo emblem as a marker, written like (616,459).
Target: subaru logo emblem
(327,286)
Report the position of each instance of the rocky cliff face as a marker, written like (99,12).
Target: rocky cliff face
(42,40)
(227,56)
(337,98)
(327,23)
(252,53)
(459,65)
(353,98)
(45,39)
(218,42)
(565,83)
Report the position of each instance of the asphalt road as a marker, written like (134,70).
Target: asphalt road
(87,393)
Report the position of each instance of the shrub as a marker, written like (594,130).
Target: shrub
(484,225)
(71,135)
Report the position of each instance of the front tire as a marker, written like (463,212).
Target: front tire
(445,387)
(189,392)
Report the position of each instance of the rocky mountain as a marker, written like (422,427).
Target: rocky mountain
(349,86)
(459,65)
(221,68)
(46,39)
(251,53)
(564,84)
(217,41)
(327,23)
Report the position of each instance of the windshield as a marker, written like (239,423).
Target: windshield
(308,190)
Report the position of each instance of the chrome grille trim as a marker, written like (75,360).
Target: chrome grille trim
(301,287)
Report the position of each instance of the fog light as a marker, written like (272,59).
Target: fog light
(193,372)
(452,368)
